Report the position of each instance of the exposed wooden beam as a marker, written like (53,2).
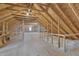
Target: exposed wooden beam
(3,30)
(54,21)
(74,10)
(56,18)
(5,14)
(76,15)
(45,21)
(68,21)
(62,23)
(23,7)
(4,35)
(19,5)
(53,28)
(7,18)
(50,18)
(5,7)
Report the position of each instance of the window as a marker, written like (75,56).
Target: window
(30,28)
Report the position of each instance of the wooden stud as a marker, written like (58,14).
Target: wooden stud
(58,33)
(4,28)
(23,29)
(49,17)
(65,47)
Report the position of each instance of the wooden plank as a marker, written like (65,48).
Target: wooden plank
(45,22)
(71,26)
(17,7)
(55,16)
(61,29)
(3,30)
(67,20)
(4,6)
(75,13)
(7,18)
(49,18)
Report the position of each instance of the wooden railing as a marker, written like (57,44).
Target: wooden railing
(4,39)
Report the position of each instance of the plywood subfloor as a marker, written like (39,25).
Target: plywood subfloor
(33,45)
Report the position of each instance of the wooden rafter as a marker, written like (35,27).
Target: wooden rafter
(24,7)
(68,21)
(45,20)
(65,17)
(64,25)
(4,7)
(74,11)
(7,18)
(46,15)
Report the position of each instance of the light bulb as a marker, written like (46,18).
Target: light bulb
(28,12)
(30,28)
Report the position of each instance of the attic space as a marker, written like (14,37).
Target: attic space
(39,29)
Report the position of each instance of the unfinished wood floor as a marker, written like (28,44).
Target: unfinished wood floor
(32,45)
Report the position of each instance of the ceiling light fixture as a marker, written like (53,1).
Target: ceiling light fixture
(29,15)
(29,12)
